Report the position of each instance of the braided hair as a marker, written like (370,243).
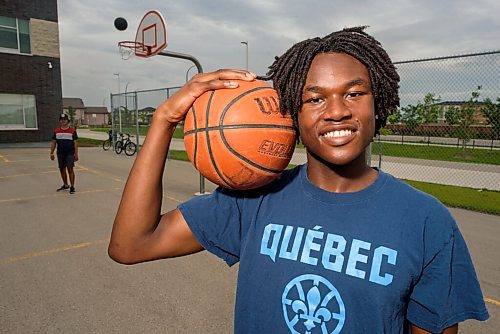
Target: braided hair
(289,71)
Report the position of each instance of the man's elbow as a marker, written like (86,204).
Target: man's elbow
(119,255)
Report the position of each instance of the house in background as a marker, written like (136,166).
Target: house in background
(479,118)
(30,67)
(74,107)
(95,116)
(82,115)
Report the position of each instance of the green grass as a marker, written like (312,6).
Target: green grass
(87,142)
(480,200)
(485,201)
(143,130)
(442,153)
(178,155)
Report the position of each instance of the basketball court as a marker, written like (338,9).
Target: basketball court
(56,276)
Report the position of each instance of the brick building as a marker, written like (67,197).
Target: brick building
(30,67)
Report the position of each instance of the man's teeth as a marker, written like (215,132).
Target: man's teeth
(337,133)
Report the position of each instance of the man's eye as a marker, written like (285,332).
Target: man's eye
(355,94)
(314,100)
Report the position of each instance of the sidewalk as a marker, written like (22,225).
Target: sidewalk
(478,176)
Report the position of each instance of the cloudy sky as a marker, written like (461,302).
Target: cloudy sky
(212,31)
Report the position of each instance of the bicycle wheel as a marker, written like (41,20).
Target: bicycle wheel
(106,145)
(118,147)
(130,148)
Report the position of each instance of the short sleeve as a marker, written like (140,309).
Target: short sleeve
(75,135)
(215,220)
(54,135)
(448,291)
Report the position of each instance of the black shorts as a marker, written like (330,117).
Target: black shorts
(65,160)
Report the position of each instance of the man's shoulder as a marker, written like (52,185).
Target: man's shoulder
(402,191)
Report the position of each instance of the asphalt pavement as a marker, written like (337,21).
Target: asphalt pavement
(56,277)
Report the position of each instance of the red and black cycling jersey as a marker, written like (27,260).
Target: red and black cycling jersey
(65,140)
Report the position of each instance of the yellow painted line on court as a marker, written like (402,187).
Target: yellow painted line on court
(27,160)
(44,172)
(98,242)
(172,198)
(4,158)
(103,174)
(492,301)
(51,251)
(16,199)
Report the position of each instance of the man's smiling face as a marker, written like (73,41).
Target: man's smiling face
(337,119)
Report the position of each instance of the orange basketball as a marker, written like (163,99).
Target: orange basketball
(237,138)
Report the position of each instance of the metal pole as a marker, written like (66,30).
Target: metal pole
(187,72)
(136,121)
(119,107)
(246,45)
(200,70)
(113,135)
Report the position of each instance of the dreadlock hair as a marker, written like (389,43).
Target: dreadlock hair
(289,71)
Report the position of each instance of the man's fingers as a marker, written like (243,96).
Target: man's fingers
(224,75)
(174,109)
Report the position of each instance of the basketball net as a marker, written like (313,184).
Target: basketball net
(129,48)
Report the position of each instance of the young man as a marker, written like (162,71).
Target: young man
(332,246)
(66,140)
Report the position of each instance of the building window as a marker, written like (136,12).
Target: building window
(17,112)
(14,35)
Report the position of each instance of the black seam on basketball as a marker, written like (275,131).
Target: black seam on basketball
(240,126)
(209,148)
(229,147)
(195,125)
(207,111)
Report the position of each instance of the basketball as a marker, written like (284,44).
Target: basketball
(120,23)
(237,138)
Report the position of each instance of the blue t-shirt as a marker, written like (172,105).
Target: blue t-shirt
(313,261)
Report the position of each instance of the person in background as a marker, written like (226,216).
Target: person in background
(65,139)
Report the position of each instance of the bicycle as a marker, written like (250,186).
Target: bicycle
(106,145)
(125,144)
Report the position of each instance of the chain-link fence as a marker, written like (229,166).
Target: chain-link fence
(132,111)
(447,129)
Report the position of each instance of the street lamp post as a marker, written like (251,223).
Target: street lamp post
(246,45)
(126,101)
(119,107)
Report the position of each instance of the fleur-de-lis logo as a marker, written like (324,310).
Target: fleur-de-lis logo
(311,304)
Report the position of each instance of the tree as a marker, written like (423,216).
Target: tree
(428,112)
(491,111)
(423,113)
(464,119)
(71,114)
(394,118)
(409,116)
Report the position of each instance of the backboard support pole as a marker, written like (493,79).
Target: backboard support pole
(200,70)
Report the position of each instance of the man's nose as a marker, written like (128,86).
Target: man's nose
(337,110)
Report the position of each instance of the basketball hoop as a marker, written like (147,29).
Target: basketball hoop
(129,48)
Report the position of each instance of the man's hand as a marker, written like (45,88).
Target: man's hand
(52,156)
(76,157)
